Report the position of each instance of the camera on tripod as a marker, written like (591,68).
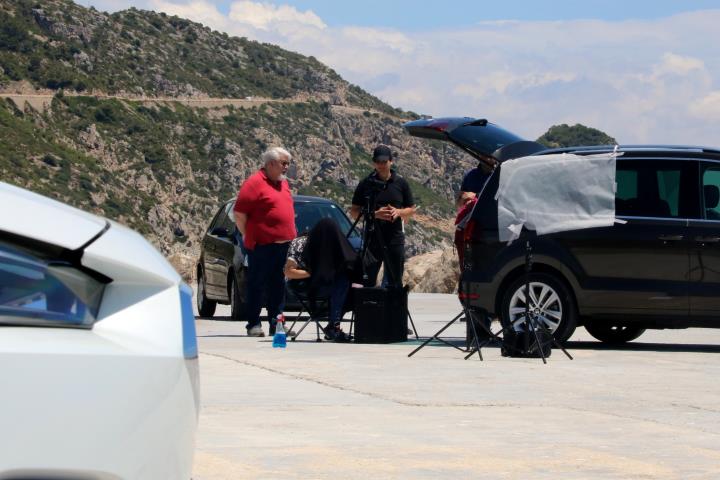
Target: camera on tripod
(376,185)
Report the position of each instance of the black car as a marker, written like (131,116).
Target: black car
(222,266)
(659,269)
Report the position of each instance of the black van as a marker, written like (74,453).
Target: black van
(658,269)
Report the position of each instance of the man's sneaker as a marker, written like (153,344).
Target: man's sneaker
(255,331)
(335,333)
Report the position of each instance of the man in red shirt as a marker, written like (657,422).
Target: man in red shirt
(265,216)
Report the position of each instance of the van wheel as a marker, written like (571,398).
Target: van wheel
(206,308)
(550,303)
(237,295)
(613,333)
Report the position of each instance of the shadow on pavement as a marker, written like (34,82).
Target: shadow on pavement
(593,345)
(645,347)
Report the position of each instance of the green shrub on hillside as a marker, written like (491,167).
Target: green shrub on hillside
(566,136)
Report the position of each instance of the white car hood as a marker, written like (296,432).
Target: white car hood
(34,216)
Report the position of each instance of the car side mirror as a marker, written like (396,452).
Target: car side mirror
(221,232)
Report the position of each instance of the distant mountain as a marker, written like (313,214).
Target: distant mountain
(566,136)
(144,118)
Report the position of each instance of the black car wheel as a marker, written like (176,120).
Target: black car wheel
(206,308)
(613,333)
(237,295)
(550,303)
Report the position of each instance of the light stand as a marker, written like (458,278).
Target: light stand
(465,296)
(530,320)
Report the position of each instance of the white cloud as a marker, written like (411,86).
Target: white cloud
(378,38)
(707,108)
(197,11)
(504,82)
(679,65)
(266,16)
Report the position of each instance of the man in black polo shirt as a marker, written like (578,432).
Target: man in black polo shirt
(393,203)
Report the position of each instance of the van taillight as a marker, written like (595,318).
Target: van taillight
(469,230)
(439,125)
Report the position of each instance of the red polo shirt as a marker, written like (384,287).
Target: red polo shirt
(269,209)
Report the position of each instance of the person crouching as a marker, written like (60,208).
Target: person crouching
(323,260)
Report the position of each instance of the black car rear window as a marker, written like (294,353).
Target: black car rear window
(308,214)
(485,139)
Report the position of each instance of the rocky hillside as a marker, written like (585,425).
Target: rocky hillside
(58,44)
(118,136)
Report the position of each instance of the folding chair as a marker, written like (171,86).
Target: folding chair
(318,314)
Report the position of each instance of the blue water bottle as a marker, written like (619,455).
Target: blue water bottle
(280,338)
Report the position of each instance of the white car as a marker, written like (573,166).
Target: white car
(98,354)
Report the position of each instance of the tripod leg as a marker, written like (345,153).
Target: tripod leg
(555,341)
(562,348)
(494,336)
(436,334)
(413,325)
(537,340)
(476,339)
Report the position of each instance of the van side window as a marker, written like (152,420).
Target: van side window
(711,192)
(647,189)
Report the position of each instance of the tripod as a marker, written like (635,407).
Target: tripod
(370,232)
(476,344)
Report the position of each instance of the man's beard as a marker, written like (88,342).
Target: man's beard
(282,177)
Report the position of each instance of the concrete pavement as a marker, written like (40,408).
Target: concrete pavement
(326,411)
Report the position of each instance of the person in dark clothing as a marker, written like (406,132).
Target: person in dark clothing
(322,259)
(392,204)
(474,180)
(483,223)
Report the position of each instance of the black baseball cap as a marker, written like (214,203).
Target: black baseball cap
(382,153)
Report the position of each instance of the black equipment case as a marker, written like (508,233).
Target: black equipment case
(524,344)
(381,315)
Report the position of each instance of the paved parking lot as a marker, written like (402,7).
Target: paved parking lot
(650,410)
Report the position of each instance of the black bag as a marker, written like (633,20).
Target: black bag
(514,344)
(380,314)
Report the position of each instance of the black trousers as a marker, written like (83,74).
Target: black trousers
(393,270)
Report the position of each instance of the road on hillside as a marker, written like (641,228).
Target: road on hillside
(41,101)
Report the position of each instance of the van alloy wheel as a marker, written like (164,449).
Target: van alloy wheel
(550,303)
(545,306)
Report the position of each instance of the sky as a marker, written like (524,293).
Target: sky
(642,71)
